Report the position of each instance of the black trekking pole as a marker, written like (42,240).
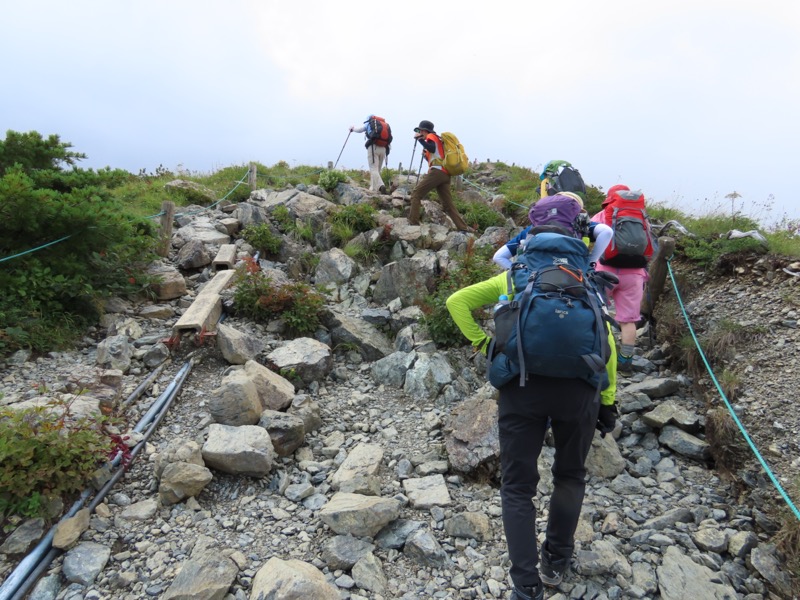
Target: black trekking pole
(421,158)
(342,150)
(411,162)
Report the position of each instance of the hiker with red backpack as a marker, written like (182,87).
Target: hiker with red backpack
(626,257)
(437,177)
(379,140)
(549,360)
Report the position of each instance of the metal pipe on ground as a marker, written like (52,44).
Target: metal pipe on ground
(39,559)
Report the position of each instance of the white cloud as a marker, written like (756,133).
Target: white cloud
(644,92)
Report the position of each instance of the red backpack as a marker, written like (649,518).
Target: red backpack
(632,244)
(378,131)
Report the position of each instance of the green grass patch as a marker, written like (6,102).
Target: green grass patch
(479,214)
(348,221)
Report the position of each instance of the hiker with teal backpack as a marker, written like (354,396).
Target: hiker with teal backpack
(437,177)
(597,234)
(626,257)
(550,359)
(378,134)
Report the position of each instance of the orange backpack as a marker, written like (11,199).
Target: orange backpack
(378,131)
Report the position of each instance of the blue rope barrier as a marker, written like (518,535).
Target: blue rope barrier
(476,186)
(265,176)
(741,427)
(240,182)
(37,248)
(186,214)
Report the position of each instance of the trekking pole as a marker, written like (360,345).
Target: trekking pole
(411,162)
(420,166)
(342,150)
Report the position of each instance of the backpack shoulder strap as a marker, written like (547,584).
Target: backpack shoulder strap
(524,308)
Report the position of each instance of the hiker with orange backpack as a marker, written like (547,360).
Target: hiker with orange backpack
(437,177)
(379,140)
(626,257)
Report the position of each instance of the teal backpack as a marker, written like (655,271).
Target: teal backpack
(555,326)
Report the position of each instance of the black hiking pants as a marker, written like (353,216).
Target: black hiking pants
(572,406)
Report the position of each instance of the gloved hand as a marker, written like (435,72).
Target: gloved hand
(606,418)
(483,347)
(352,127)
(605,279)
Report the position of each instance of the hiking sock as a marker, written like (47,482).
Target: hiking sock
(627,350)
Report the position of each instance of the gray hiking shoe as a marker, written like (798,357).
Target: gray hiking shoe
(552,567)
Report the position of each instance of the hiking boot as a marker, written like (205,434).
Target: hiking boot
(625,365)
(528,593)
(552,568)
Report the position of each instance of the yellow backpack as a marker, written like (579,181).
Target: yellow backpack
(455,160)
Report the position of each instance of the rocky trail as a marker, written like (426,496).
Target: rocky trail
(364,466)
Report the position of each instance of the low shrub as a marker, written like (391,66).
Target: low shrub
(297,303)
(262,238)
(280,215)
(44,453)
(329,179)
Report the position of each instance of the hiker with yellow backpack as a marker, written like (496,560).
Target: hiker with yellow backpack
(446,159)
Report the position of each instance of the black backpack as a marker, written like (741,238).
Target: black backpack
(564,178)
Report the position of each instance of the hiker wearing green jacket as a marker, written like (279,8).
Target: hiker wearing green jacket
(464,301)
(572,409)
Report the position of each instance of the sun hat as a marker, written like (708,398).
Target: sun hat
(572,195)
(426,125)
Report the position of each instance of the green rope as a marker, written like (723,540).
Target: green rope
(761,460)
(476,186)
(240,182)
(37,248)
(233,189)
(265,176)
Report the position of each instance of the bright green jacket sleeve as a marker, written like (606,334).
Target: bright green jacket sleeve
(609,395)
(464,301)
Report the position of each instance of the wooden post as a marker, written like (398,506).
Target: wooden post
(459,183)
(252,175)
(165,233)
(658,274)
(330,165)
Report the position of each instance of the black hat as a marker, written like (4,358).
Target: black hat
(426,125)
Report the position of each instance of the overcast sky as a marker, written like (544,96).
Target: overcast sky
(688,100)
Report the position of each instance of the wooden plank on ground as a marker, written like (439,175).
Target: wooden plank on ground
(206,309)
